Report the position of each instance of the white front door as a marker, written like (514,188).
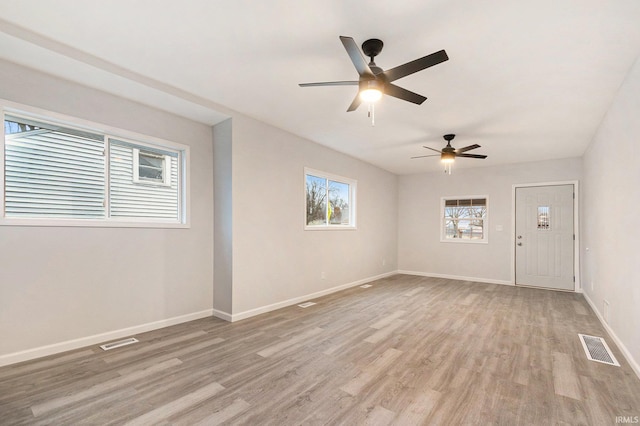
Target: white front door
(545,236)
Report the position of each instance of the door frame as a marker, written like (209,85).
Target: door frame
(577,287)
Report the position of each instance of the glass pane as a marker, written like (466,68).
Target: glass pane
(450,229)
(456,212)
(52,173)
(338,209)
(150,173)
(476,230)
(464,218)
(151,160)
(151,167)
(465,230)
(544,217)
(13,127)
(479,212)
(316,188)
(129,198)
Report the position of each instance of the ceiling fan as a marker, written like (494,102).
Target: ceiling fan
(449,153)
(374,81)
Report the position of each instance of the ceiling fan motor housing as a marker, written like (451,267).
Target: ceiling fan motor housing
(372,47)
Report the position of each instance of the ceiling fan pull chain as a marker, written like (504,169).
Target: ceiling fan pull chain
(372,113)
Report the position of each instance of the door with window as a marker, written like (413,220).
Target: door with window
(544,243)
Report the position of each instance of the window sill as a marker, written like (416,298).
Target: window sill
(330,228)
(91,223)
(461,241)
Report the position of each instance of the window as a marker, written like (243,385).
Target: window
(143,182)
(61,173)
(464,219)
(149,167)
(330,201)
(544,216)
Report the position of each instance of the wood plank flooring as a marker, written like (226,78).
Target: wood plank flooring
(407,351)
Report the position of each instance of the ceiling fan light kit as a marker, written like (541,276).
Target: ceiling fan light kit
(370,91)
(447,157)
(373,81)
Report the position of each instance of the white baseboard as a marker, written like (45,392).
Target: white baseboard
(222,315)
(456,277)
(268,308)
(98,338)
(632,362)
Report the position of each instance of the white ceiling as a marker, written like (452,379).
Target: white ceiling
(528,80)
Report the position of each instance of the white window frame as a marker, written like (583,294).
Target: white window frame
(485,221)
(166,172)
(352,200)
(109,132)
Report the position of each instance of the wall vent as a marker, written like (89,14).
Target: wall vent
(597,350)
(119,343)
(306,304)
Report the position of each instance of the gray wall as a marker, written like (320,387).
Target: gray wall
(58,284)
(419,246)
(610,231)
(275,261)
(223,218)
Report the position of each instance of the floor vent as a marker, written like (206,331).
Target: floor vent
(597,350)
(119,343)
(366,286)
(306,304)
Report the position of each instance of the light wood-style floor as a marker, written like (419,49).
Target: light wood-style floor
(409,350)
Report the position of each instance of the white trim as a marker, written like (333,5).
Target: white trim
(81,342)
(294,301)
(353,186)
(577,287)
(222,315)
(456,277)
(91,223)
(2,143)
(625,352)
(485,221)
(77,123)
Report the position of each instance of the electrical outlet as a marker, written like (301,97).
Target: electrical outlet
(384,262)
(605,311)
(323,275)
